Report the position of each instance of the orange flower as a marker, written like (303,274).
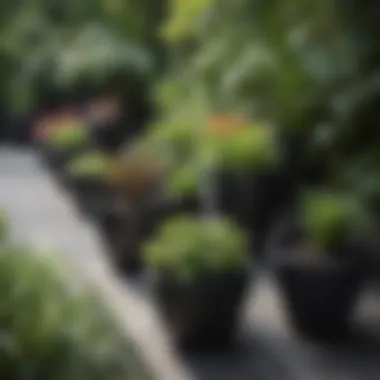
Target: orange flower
(47,124)
(226,124)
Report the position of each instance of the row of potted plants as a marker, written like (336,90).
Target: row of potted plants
(200,263)
(321,260)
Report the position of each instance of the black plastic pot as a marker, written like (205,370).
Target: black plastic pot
(56,159)
(125,229)
(92,197)
(256,201)
(122,238)
(320,295)
(202,314)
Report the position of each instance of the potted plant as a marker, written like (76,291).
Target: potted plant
(182,187)
(136,172)
(176,142)
(321,271)
(134,177)
(92,179)
(248,156)
(200,275)
(86,178)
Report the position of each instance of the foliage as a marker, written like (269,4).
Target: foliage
(298,67)
(253,146)
(184,181)
(69,137)
(330,219)
(187,247)
(52,330)
(39,38)
(89,165)
(96,53)
(134,173)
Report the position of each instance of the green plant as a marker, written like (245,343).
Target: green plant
(187,247)
(134,173)
(69,137)
(51,330)
(184,181)
(97,53)
(91,165)
(329,219)
(253,147)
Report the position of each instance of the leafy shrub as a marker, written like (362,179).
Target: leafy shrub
(136,172)
(49,331)
(69,137)
(250,147)
(96,54)
(184,19)
(89,165)
(184,181)
(188,246)
(329,219)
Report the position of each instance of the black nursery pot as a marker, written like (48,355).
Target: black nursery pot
(54,159)
(122,238)
(202,314)
(92,197)
(57,159)
(255,201)
(124,232)
(320,296)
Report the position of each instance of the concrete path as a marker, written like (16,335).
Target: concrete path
(43,216)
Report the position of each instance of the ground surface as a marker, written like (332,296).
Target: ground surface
(44,216)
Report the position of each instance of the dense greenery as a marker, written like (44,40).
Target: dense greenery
(188,247)
(309,69)
(305,68)
(91,165)
(53,330)
(48,47)
(330,220)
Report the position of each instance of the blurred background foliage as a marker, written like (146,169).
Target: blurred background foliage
(307,68)
(310,68)
(49,45)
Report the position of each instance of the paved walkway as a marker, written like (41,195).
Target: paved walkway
(42,215)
